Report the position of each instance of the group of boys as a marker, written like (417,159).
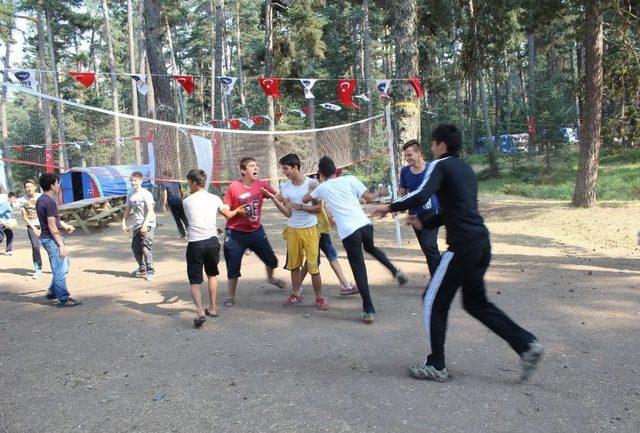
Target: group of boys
(443,192)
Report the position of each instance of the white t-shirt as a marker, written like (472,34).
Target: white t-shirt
(342,195)
(202,209)
(299,219)
(141,203)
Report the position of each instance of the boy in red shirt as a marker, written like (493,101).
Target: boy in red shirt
(244,230)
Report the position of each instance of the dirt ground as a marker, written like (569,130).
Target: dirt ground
(129,359)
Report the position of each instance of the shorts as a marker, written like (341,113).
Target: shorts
(327,247)
(204,253)
(236,243)
(301,244)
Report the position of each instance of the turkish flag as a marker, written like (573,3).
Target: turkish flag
(85,78)
(278,114)
(270,86)
(235,123)
(345,92)
(257,120)
(531,125)
(417,86)
(186,81)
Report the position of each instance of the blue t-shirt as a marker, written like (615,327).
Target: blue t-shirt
(411,181)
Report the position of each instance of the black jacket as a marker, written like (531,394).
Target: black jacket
(457,188)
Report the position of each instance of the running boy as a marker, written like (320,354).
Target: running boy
(342,195)
(244,231)
(464,263)
(140,206)
(203,249)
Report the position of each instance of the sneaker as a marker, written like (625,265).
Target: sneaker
(428,372)
(139,273)
(50,295)
(37,274)
(530,359)
(9,253)
(70,302)
(349,289)
(368,317)
(401,277)
(149,274)
(293,299)
(321,304)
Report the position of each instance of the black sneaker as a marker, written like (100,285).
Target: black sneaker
(50,295)
(402,278)
(70,302)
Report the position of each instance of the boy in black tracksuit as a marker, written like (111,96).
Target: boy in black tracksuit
(466,260)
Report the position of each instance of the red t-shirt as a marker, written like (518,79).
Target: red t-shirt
(238,194)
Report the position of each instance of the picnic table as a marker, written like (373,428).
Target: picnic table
(99,210)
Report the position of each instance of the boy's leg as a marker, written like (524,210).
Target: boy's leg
(367,243)
(35,249)
(233,251)
(136,247)
(294,259)
(194,273)
(474,300)
(428,240)
(211,269)
(147,254)
(310,238)
(9,234)
(183,217)
(259,244)
(174,207)
(332,256)
(353,246)
(59,269)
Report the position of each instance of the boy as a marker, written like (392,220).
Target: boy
(203,249)
(30,217)
(302,234)
(342,195)
(139,205)
(411,177)
(52,240)
(466,260)
(7,222)
(173,196)
(243,230)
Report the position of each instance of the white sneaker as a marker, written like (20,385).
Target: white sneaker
(530,359)
(428,372)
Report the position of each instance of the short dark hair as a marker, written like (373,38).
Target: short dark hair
(197,176)
(326,167)
(28,180)
(290,159)
(412,143)
(246,160)
(449,134)
(137,174)
(47,180)
(12,194)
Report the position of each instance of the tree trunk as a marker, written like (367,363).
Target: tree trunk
(214,80)
(268,70)
(574,76)
(584,194)
(219,53)
(243,102)
(44,84)
(63,160)
(367,70)
(533,106)
(134,87)
(485,104)
(114,84)
(3,117)
(174,70)
(407,108)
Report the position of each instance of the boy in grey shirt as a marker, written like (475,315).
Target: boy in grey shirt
(139,206)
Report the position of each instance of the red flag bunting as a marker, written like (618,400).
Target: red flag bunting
(417,86)
(85,78)
(235,123)
(531,125)
(270,86)
(257,120)
(278,114)
(149,136)
(345,92)
(306,110)
(186,81)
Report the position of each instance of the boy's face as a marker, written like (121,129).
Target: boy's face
(438,148)
(289,171)
(29,188)
(251,170)
(412,156)
(12,200)
(193,187)
(56,187)
(136,182)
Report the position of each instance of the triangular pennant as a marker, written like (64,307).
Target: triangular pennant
(207,125)
(186,81)
(258,119)
(345,92)
(270,86)
(332,107)
(228,84)
(278,115)
(268,118)
(417,85)
(141,83)
(383,88)
(27,78)
(235,123)
(247,122)
(85,78)
(362,96)
(299,111)
(308,83)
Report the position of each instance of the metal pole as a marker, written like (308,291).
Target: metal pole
(392,170)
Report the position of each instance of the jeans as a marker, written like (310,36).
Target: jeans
(428,240)
(59,268)
(5,231)
(35,249)
(177,210)
(141,247)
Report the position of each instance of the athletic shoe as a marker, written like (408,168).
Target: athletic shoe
(293,299)
(149,275)
(70,302)
(368,317)
(50,295)
(9,253)
(428,372)
(530,359)
(37,274)
(139,273)
(401,277)
(349,289)
(321,304)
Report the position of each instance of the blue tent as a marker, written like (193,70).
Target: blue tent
(90,182)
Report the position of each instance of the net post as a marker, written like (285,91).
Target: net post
(392,169)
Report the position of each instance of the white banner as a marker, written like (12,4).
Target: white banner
(330,106)
(141,83)
(26,77)
(383,88)
(204,154)
(308,83)
(299,112)
(228,83)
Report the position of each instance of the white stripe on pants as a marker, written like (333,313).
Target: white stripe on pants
(432,291)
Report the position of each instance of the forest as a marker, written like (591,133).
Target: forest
(494,68)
